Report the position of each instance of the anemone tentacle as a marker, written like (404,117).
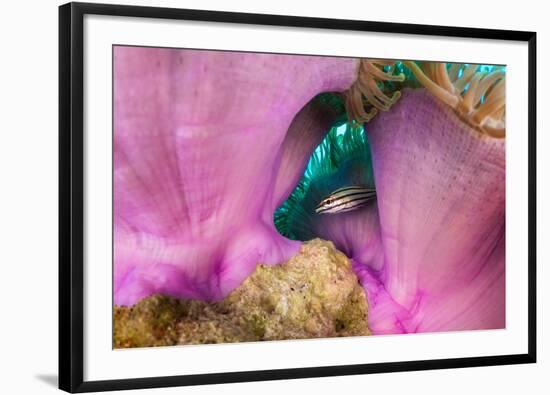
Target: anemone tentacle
(367,95)
(477,97)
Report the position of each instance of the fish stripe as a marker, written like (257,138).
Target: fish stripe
(353,203)
(345,195)
(345,189)
(347,192)
(346,199)
(336,210)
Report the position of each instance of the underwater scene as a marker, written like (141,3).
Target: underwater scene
(272,197)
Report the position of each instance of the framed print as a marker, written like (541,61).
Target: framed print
(250,197)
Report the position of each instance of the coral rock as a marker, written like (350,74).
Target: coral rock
(313,295)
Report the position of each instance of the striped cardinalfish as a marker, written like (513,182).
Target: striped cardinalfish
(346,199)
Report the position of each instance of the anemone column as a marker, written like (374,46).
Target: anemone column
(197,148)
(441,201)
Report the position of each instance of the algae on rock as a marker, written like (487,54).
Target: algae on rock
(313,295)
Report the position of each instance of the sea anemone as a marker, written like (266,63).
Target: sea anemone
(202,146)
(209,144)
(441,203)
(430,251)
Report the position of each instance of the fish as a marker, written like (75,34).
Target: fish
(346,199)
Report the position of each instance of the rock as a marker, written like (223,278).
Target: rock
(313,295)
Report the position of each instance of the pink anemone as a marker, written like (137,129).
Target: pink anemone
(208,144)
(198,143)
(441,202)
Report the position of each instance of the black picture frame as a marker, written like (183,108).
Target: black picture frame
(71,195)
